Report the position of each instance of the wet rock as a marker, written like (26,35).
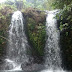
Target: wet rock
(32,67)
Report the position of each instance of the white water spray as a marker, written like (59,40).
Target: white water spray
(52,49)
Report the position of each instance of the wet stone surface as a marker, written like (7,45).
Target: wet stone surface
(32,67)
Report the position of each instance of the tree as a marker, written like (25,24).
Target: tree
(65,7)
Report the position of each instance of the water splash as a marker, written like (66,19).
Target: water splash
(47,70)
(15,66)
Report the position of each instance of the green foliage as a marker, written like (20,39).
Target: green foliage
(5,18)
(2,44)
(36,33)
(31,24)
(65,13)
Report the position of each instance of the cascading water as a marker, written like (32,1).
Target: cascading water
(52,49)
(18,44)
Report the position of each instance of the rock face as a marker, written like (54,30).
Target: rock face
(35,30)
(32,67)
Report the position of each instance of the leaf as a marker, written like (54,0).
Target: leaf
(60,23)
(61,27)
(66,33)
(69,17)
(66,24)
(61,18)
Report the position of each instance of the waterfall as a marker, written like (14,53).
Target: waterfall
(52,49)
(17,55)
(17,46)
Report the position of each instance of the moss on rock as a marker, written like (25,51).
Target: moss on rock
(36,31)
(5,19)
